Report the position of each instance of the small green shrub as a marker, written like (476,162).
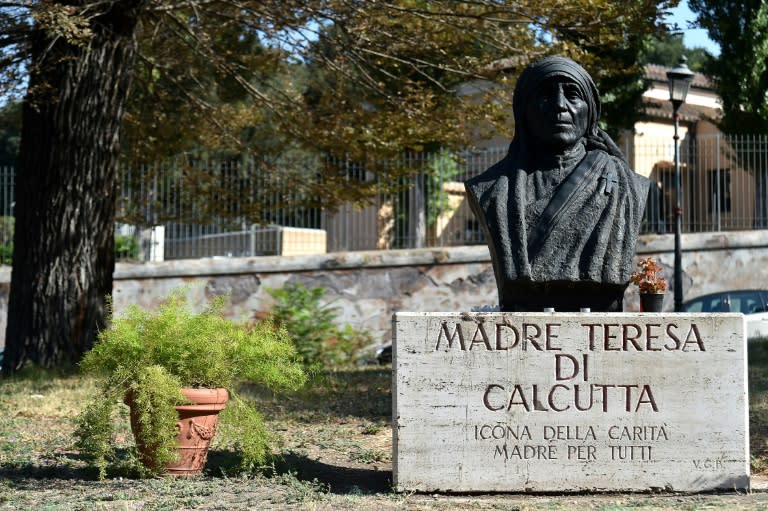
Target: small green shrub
(367,456)
(443,168)
(313,327)
(6,239)
(126,247)
(6,253)
(150,356)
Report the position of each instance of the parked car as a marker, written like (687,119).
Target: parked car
(384,355)
(753,303)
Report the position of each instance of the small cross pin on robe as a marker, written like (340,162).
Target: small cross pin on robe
(609,178)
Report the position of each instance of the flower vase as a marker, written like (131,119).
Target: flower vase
(194,431)
(196,427)
(651,302)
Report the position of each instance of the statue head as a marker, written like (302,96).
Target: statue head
(556,106)
(557,114)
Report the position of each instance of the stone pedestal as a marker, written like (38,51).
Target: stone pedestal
(553,402)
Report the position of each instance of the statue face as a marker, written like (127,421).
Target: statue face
(557,114)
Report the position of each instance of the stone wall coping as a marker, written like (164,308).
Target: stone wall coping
(403,257)
(704,241)
(407,257)
(276,264)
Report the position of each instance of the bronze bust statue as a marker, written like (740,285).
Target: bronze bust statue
(562,211)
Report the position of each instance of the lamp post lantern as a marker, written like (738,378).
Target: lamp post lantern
(679,78)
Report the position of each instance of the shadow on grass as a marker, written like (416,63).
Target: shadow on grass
(757,357)
(340,480)
(357,392)
(61,468)
(18,472)
(34,373)
(757,351)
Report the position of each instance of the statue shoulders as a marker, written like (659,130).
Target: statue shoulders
(637,181)
(620,163)
(484,181)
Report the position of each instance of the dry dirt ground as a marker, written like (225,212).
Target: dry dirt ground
(333,453)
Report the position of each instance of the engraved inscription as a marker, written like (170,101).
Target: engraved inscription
(583,443)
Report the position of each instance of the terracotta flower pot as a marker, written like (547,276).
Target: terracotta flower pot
(195,429)
(651,302)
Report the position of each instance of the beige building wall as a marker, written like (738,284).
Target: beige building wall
(452,225)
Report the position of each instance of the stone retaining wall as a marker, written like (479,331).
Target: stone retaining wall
(368,287)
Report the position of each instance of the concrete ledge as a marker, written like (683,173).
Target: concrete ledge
(277,264)
(647,244)
(705,241)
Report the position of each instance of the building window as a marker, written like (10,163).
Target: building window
(719,190)
(472,232)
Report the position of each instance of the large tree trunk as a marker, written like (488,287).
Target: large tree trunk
(63,256)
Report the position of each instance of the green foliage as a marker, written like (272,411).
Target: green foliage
(241,421)
(740,72)
(95,432)
(6,253)
(666,50)
(313,327)
(152,397)
(442,168)
(301,490)
(6,239)
(126,247)
(147,356)
(10,133)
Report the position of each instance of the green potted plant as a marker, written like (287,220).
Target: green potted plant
(160,362)
(651,284)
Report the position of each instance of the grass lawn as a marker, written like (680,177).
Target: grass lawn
(333,451)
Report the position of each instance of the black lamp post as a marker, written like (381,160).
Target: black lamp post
(679,78)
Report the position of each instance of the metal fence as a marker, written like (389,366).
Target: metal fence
(205,207)
(723,182)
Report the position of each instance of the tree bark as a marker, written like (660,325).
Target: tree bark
(63,256)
